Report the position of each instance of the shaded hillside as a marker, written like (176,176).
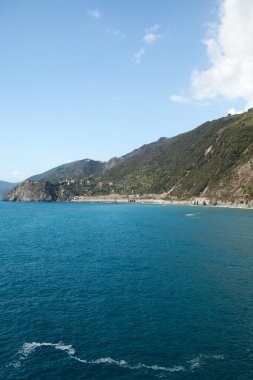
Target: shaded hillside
(5,187)
(71,171)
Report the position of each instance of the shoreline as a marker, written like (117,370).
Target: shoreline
(203,202)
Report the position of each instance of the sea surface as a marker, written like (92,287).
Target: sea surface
(125,291)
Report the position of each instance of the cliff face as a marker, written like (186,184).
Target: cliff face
(41,191)
(29,191)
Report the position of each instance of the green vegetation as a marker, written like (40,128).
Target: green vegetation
(214,160)
(71,171)
(185,165)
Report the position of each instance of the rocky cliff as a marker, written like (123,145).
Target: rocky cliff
(31,191)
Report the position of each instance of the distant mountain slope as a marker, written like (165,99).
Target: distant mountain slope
(5,187)
(214,160)
(71,171)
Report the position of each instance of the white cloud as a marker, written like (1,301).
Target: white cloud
(95,13)
(14,176)
(230,51)
(184,99)
(138,56)
(233,111)
(152,35)
(115,33)
(179,99)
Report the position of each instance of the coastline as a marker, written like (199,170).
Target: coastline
(196,201)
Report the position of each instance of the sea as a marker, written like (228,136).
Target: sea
(125,291)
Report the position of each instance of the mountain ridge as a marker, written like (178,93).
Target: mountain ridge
(6,187)
(214,160)
(69,171)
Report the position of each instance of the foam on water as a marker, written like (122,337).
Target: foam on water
(198,361)
(194,215)
(195,363)
(29,348)
(120,363)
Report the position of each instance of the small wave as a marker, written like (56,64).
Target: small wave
(195,363)
(193,215)
(119,363)
(219,357)
(124,364)
(198,361)
(159,368)
(29,348)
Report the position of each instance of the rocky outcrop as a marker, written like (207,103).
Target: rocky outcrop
(31,191)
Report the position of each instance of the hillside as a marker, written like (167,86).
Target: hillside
(71,171)
(5,187)
(214,160)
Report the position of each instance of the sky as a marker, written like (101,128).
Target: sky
(98,78)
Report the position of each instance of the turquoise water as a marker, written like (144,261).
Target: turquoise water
(110,291)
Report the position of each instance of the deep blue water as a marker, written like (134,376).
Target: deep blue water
(110,291)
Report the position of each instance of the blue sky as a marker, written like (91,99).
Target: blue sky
(97,79)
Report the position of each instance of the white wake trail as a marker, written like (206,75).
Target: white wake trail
(29,348)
